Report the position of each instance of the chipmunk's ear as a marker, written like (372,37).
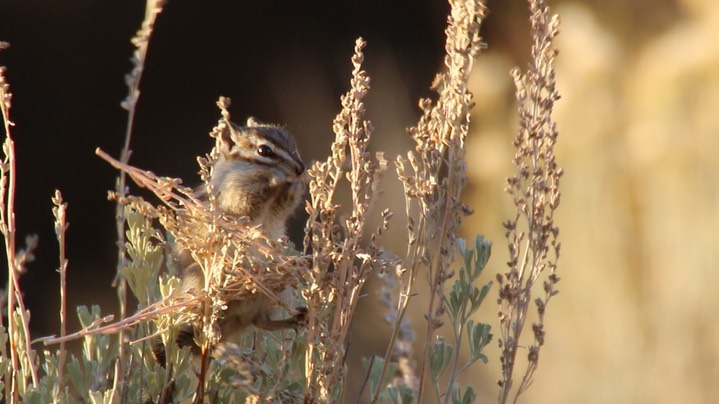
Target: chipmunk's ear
(227,138)
(253,122)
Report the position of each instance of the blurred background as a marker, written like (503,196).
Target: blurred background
(635,320)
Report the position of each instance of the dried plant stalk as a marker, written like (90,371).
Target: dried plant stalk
(340,264)
(434,174)
(400,347)
(61,225)
(15,260)
(532,233)
(141,41)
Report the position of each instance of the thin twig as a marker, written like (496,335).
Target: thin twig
(7,220)
(141,42)
(366,379)
(60,228)
(148,313)
(6,216)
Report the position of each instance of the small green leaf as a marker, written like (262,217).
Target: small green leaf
(97,397)
(34,397)
(146,255)
(484,251)
(479,337)
(467,256)
(80,379)
(467,398)
(401,394)
(476,297)
(439,358)
(376,364)
(374,367)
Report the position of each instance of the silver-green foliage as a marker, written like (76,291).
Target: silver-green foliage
(464,299)
(462,302)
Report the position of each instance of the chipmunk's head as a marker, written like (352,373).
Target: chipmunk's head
(263,147)
(259,173)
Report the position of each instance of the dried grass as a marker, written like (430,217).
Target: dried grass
(531,234)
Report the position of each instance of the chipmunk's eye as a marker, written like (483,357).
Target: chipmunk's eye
(265,151)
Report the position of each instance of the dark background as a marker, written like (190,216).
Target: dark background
(284,62)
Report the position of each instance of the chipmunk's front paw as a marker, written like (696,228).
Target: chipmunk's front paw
(302,317)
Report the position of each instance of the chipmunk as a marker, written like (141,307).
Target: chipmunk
(258,176)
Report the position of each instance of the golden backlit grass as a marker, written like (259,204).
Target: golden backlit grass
(635,319)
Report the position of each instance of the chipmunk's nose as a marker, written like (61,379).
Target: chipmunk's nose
(300,168)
